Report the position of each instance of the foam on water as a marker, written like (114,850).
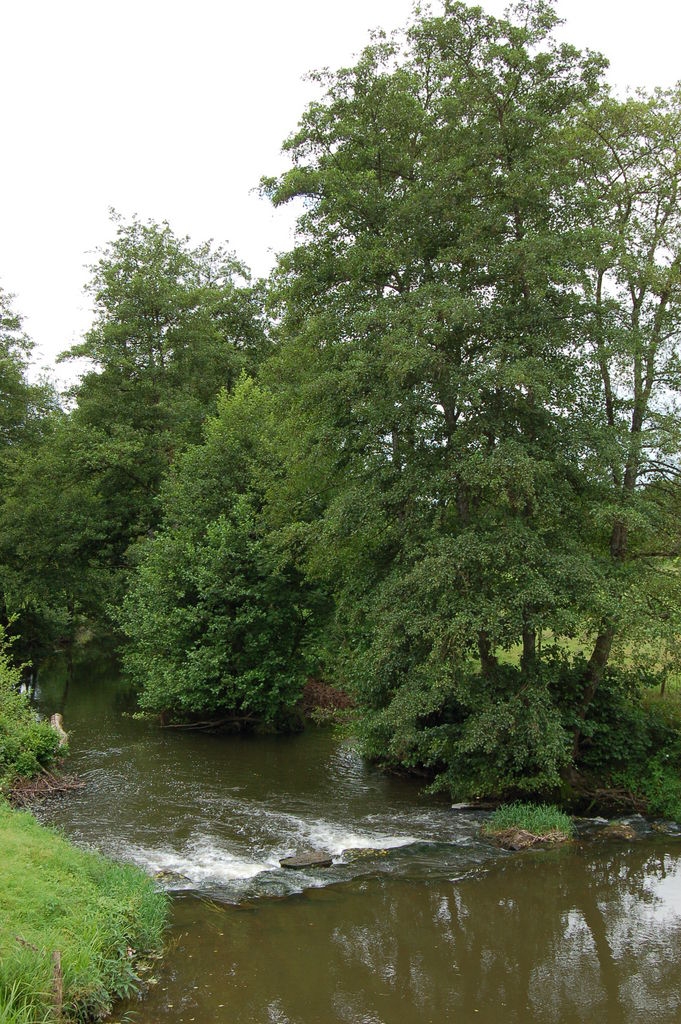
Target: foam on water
(335,839)
(202,861)
(208,861)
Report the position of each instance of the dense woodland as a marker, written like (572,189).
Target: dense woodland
(433,460)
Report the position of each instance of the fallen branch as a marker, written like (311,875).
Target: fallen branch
(25,791)
(214,724)
(619,798)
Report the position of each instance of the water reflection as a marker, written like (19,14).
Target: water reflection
(434,926)
(571,936)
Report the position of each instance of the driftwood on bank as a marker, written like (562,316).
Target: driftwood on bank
(26,791)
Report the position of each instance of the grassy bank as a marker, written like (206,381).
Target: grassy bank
(99,917)
(73,926)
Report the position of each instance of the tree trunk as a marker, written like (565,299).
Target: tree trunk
(488,659)
(595,669)
(529,655)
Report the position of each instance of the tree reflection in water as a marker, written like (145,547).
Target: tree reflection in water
(577,934)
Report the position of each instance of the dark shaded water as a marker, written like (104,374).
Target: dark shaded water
(418,919)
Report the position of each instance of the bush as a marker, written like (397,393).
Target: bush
(627,742)
(477,736)
(26,745)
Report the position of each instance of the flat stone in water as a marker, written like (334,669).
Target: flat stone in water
(362,853)
(307,860)
(619,830)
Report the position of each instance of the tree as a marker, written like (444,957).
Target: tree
(441,380)
(25,407)
(216,614)
(22,403)
(174,324)
(55,548)
(632,289)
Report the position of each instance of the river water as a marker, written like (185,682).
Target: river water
(418,919)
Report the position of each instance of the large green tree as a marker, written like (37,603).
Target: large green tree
(484,271)
(174,325)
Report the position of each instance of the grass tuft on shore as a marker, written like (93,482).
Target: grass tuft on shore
(100,917)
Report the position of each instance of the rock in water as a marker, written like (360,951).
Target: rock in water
(170,877)
(307,860)
(619,830)
(362,853)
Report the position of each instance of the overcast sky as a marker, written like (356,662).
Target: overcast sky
(174,110)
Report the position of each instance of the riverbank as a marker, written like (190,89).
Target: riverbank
(74,927)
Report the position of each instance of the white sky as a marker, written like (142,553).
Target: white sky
(173,110)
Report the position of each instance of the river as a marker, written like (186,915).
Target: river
(418,920)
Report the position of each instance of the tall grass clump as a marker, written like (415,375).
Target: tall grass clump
(101,918)
(537,819)
(18,1008)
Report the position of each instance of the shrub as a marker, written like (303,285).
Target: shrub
(26,745)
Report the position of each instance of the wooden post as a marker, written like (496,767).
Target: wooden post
(57,985)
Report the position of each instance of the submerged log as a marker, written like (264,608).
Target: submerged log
(213,723)
(307,860)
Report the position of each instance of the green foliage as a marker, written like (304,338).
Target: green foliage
(478,446)
(539,819)
(639,750)
(477,736)
(102,917)
(22,404)
(26,745)
(174,324)
(24,410)
(56,545)
(658,782)
(465,438)
(216,612)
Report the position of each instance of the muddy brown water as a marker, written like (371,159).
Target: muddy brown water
(417,920)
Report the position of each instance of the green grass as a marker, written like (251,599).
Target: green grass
(101,917)
(538,819)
